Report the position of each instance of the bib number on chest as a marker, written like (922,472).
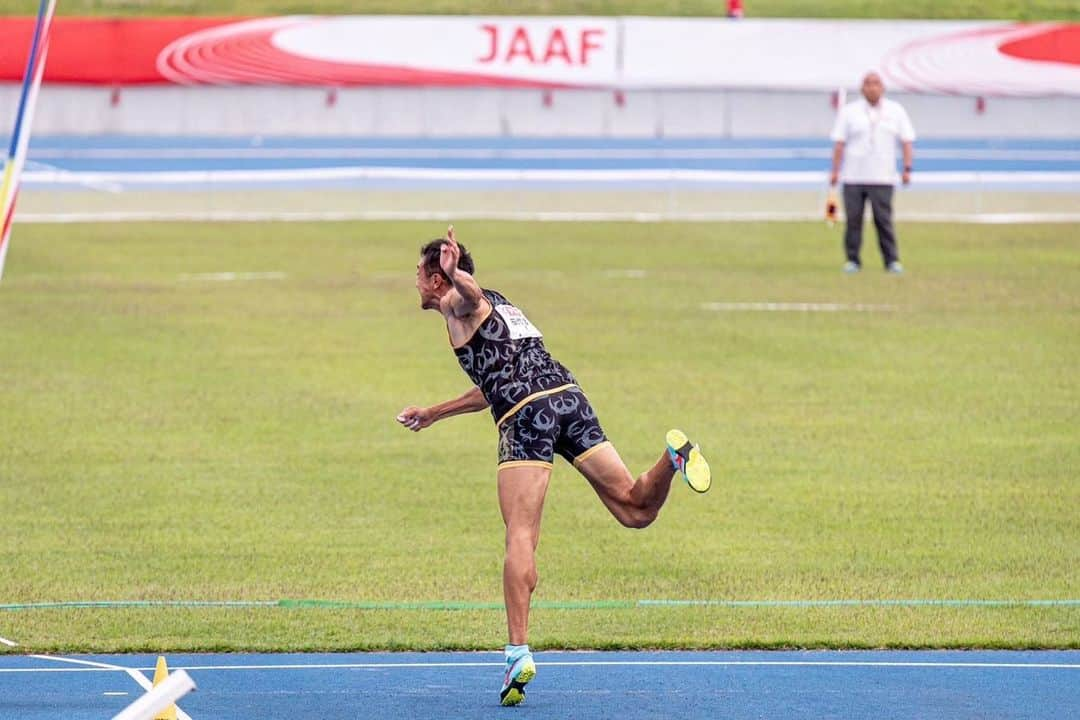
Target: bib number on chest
(518,324)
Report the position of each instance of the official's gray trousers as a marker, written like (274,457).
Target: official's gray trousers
(880,196)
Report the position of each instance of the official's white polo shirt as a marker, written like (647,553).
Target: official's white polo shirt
(870,135)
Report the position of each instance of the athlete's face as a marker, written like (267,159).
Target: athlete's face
(428,286)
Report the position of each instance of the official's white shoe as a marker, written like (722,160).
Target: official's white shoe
(851,267)
(520,669)
(686,457)
(895,268)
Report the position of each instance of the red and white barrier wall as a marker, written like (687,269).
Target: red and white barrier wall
(559,75)
(974,58)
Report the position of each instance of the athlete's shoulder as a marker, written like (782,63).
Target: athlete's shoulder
(495,297)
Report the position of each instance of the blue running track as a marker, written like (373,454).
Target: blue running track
(580,685)
(150,154)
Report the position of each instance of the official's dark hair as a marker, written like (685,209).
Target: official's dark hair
(431,251)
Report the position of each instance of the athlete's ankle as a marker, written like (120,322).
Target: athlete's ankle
(517,650)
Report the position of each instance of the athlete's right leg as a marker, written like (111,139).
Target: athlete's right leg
(634,502)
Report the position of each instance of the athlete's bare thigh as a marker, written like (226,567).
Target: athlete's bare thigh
(609,476)
(522,488)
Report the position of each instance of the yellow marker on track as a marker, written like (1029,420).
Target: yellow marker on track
(161,672)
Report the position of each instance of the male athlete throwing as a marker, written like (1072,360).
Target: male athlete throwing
(539,411)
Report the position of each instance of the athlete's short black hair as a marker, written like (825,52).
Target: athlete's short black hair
(431,251)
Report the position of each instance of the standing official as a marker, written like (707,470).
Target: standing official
(866,134)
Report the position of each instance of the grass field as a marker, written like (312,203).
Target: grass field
(941,9)
(165,436)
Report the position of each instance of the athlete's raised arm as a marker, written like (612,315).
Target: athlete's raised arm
(466,296)
(417,418)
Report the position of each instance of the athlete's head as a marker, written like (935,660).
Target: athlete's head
(431,282)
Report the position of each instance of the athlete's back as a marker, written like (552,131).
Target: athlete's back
(506,357)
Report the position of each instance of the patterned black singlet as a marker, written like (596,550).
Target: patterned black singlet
(534,399)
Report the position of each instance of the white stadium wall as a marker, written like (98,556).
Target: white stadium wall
(487,112)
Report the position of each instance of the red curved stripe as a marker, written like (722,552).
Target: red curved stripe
(96,50)
(1060,45)
(249,57)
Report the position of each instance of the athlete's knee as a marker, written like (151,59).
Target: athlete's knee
(634,512)
(521,538)
(521,567)
(637,517)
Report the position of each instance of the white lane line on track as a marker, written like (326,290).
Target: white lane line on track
(45,167)
(137,676)
(654,663)
(494,153)
(93,666)
(504,175)
(592,663)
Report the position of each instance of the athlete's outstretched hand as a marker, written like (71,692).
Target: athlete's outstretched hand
(449,253)
(416,418)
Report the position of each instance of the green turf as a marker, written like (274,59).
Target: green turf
(941,9)
(166,437)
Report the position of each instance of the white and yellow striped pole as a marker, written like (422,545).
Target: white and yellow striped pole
(24,120)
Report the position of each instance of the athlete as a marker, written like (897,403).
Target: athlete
(539,411)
